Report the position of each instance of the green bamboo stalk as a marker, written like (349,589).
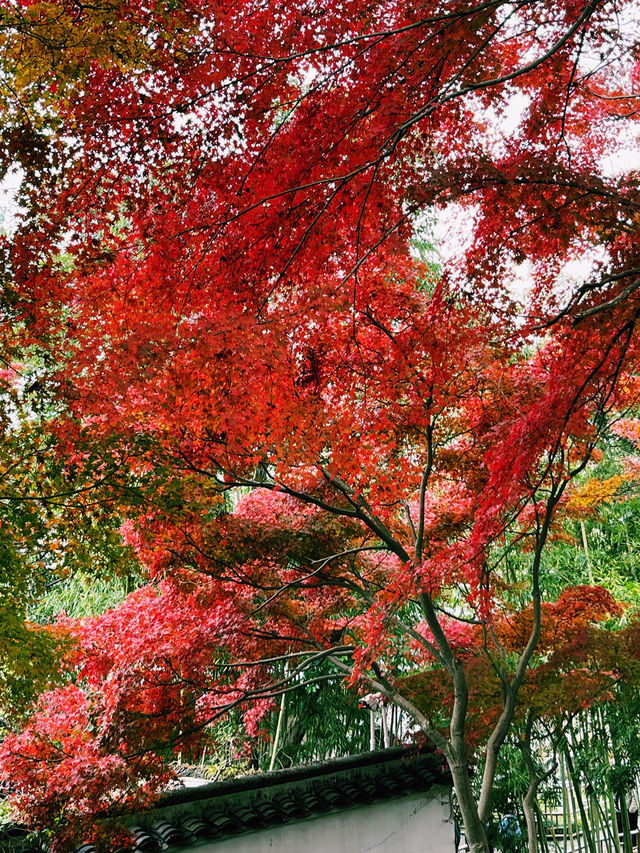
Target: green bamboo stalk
(586,829)
(566,807)
(542,828)
(607,830)
(626,829)
(604,739)
(595,821)
(575,835)
(276,739)
(614,819)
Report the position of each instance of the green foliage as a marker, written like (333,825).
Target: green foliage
(511,782)
(321,721)
(57,525)
(622,721)
(82,595)
(28,653)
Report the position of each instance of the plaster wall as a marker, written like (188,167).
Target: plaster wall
(419,823)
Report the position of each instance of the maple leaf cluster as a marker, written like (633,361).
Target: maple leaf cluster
(580,659)
(142,676)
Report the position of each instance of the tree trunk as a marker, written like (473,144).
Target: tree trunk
(536,777)
(528,806)
(474,830)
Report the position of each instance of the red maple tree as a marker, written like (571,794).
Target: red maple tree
(216,249)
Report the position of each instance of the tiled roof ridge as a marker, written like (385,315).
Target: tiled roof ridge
(223,787)
(223,809)
(231,807)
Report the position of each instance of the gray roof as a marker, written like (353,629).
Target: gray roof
(217,810)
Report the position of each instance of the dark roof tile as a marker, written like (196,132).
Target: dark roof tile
(169,833)
(193,828)
(143,840)
(269,812)
(222,823)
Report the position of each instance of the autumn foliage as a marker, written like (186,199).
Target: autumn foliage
(335,431)
(152,674)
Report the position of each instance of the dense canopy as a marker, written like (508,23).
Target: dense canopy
(331,304)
